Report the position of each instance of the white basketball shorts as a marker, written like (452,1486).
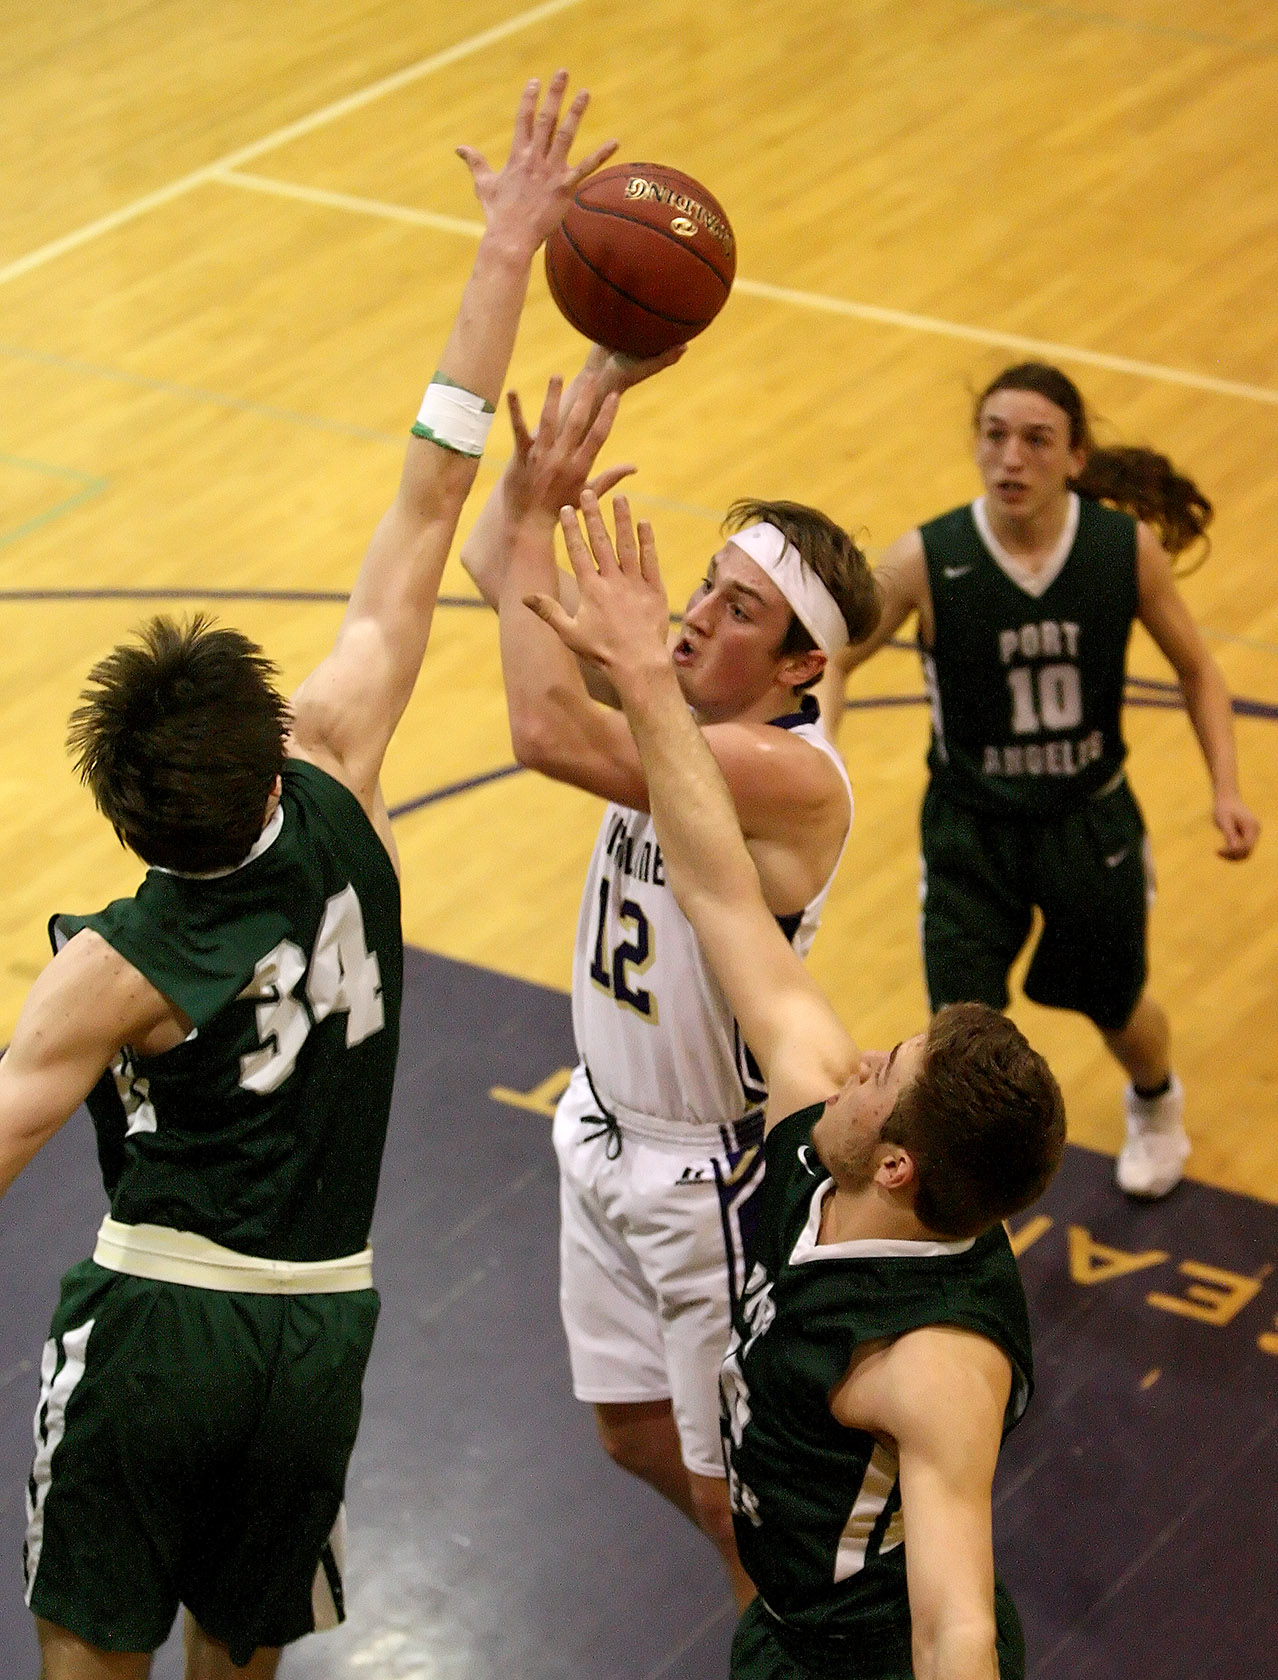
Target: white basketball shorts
(651,1255)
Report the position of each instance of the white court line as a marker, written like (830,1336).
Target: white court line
(344,201)
(281,136)
(1037,347)
(1041,349)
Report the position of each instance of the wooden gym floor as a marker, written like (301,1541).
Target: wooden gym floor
(232,240)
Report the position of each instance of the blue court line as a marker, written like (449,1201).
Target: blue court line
(1161,695)
(268,411)
(52,513)
(1133,26)
(336,596)
(1235,640)
(438,794)
(47,469)
(1168,702)
(339,597)
(1241,707)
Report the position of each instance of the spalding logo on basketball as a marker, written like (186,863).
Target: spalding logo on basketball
(644,258)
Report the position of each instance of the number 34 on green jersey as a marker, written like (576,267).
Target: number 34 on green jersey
(342,977)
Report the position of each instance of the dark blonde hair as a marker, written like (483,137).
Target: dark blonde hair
(832,555)
(1137,481)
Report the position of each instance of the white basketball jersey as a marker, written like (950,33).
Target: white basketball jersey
(651,1023)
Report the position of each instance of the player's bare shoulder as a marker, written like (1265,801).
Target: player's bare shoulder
(779,768)
(904,1386)
(90,992)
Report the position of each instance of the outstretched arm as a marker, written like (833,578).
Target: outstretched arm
(790,801)
(620,624)
(346,711)
(1164,614)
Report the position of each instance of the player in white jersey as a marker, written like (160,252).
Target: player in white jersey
(659,1130)
(637,966)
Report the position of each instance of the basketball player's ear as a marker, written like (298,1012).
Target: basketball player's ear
(799,668)
(273,797)
(896,1169)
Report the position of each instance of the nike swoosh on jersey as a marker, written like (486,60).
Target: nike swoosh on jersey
(956,571)
(1115,858)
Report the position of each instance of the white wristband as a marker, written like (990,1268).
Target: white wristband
(455,419)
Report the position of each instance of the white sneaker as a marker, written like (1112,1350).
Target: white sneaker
(1154,1155)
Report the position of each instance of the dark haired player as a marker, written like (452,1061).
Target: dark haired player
(234,1027)
(658,1133)
(881,1349)
(1025,602)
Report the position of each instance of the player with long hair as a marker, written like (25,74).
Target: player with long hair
(1025,600)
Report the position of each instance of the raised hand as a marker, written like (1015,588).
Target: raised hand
(551,467)
(527,198)
(622,617)
(612,371)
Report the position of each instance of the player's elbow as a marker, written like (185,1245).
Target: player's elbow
(481,568)
(535,741)
(1203,682)
(962,1642)
(546,733)
(704,894)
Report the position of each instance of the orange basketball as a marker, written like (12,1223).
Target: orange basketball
(644,258)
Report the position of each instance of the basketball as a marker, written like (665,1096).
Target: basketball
(644,258)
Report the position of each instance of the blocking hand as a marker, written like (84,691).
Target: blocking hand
(622,617)
(551,467)
(527,198)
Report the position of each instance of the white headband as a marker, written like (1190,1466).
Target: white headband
(811,602)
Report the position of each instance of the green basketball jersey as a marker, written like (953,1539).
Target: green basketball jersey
(264,1129)
(817,1506)
(1026,689)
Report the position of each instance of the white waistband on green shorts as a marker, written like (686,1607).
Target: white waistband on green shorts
(155,1251)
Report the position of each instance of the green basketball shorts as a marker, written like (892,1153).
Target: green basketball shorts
(191,1448)
(1087,872)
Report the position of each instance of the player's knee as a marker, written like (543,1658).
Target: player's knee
(623,1448)
(65,1656)
(641,1438)
(628,1446)
(209,1659)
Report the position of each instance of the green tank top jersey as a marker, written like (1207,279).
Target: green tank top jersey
(1026,690)
(817,1506)
(264,1129)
